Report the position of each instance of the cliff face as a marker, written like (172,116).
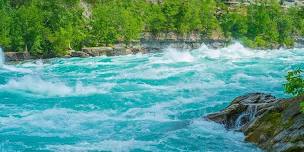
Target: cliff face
(273,124)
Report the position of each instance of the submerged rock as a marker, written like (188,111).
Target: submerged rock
(273,124)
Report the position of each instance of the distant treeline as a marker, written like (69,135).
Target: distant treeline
(50,27)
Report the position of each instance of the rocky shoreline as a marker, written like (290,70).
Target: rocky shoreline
(148,43)
(272,124)
(143,46)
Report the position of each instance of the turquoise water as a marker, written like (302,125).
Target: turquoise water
(143,102)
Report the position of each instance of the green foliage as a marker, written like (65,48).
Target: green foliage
(5,21)
(234,24)
(50,28)
(264,24)
(115,21)
(302,105)
(296,15)
(156,19)
(43,28)
(30,23)
(295,83)
(183,17)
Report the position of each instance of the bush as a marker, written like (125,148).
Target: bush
(50,28)
(295,84)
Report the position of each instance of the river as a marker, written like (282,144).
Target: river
(142,102)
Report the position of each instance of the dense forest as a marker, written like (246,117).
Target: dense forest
(49,28)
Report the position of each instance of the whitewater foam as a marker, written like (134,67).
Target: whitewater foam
(35,85)
(175,55)
(11,68)
(106,145)
(1,57)
(152,102)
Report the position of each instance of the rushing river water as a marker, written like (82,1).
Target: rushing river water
(143,102)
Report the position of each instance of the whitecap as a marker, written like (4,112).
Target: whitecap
(12,68)
(106,145)
(35,85)
(174,55)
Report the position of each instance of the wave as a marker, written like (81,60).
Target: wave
(12,68)
(1,57)
(35,85)
(106,145)
(238,51)
(175,55)
(231,52)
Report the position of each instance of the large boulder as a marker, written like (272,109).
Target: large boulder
(273,124)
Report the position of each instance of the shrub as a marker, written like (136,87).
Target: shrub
(295,84)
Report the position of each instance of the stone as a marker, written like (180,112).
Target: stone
(16,56)
(79,54)
(120,51)
(98,51)
(241,105)
(273,124)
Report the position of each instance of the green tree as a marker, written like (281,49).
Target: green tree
(5,21)
(262,26)
(64,24)
(156,19)
(285,29)
(234,25)
(28,22)
(113,23)
(170,9)
(209,22)
(296,15)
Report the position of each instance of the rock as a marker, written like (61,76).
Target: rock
(273,124)
(120,51)
(241,106)
(171,36)
(79,54)
(98,51)
(181,41)
(16,56)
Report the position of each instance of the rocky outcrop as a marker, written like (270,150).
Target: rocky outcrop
(148,43)
(98,51)
(193,40)
(16,56)
(119,49)
(273,124)
(299,42)
(80,54)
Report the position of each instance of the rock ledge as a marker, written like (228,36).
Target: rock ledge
(273,124)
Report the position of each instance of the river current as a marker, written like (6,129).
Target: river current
(142,102)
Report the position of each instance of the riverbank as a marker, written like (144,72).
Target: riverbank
(272,124)
(147,45)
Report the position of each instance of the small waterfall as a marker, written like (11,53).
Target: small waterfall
(2,59)
(246,116)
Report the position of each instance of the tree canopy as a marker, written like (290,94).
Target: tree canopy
(50,28)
